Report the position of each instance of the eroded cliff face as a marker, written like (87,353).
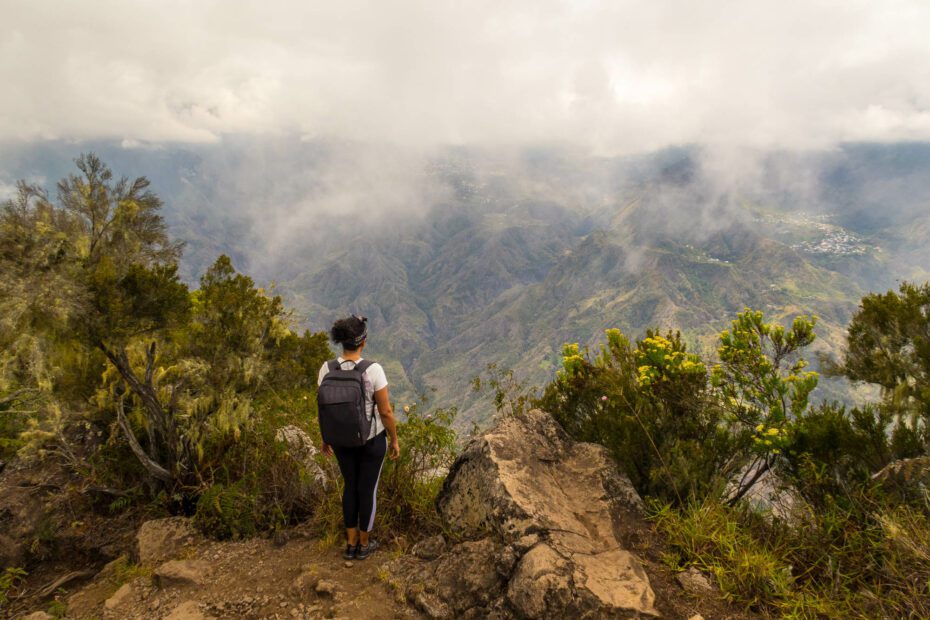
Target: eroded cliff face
(535,523)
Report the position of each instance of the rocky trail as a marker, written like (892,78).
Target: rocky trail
(535,526)
(182,576)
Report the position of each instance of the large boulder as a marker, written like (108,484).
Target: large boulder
(539,516)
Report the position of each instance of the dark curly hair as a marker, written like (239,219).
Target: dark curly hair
(350,332)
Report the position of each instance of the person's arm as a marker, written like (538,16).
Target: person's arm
(387,418)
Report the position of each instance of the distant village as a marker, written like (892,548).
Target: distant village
(836,240)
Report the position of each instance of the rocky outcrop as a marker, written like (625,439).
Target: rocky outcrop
(534,530)
(301,448)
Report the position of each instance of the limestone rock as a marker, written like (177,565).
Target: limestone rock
(430,605)
(119,597)
(541,512)
(527,474)
(181,572)
(470,576)
(301,448)
(694,581)
(164,539)
(540,582)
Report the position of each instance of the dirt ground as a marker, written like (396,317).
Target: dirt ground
(251,580)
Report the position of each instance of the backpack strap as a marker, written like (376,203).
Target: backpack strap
(362,366)
(334,364)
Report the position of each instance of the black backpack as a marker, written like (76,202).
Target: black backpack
(340,404)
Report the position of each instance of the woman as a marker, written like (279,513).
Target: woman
(361,466)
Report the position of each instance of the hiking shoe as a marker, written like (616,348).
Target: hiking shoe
(350,552)
(363,552)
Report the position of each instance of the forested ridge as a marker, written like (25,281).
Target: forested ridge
(157,398)
(160,399)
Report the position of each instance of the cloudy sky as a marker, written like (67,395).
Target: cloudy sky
(616,76)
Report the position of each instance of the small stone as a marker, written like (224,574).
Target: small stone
(282,604)
(38,615)
(694,581)
(348,564)
(181,572)
(696,617)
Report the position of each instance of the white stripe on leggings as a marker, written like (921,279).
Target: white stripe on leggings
(374,500)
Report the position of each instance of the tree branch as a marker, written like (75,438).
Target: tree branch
(17,395)
(156,470)
(741,492)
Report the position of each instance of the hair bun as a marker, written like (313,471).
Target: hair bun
(346,331)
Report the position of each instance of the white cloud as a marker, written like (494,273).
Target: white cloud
(613,76)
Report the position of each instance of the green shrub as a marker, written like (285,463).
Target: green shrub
(649,404)
(11,428)
(843,541)
(227,512)
(255,485)
(863,559)
(9,579)
(409,486)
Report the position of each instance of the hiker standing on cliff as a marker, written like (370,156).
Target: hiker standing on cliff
(351,391)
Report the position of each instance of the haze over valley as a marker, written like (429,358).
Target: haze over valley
(489,182)
(464,257)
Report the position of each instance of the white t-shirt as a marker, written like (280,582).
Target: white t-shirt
(374,380)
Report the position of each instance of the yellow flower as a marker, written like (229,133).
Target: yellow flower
(759,428)
(406,408)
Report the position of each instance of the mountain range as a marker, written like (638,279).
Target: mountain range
(463,257)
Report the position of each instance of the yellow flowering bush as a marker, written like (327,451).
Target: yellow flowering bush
(572,361)
(664,359)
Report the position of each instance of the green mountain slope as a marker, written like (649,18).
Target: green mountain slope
(502,257)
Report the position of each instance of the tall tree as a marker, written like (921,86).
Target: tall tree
(888,343)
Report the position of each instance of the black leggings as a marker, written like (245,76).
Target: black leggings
(361,469)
